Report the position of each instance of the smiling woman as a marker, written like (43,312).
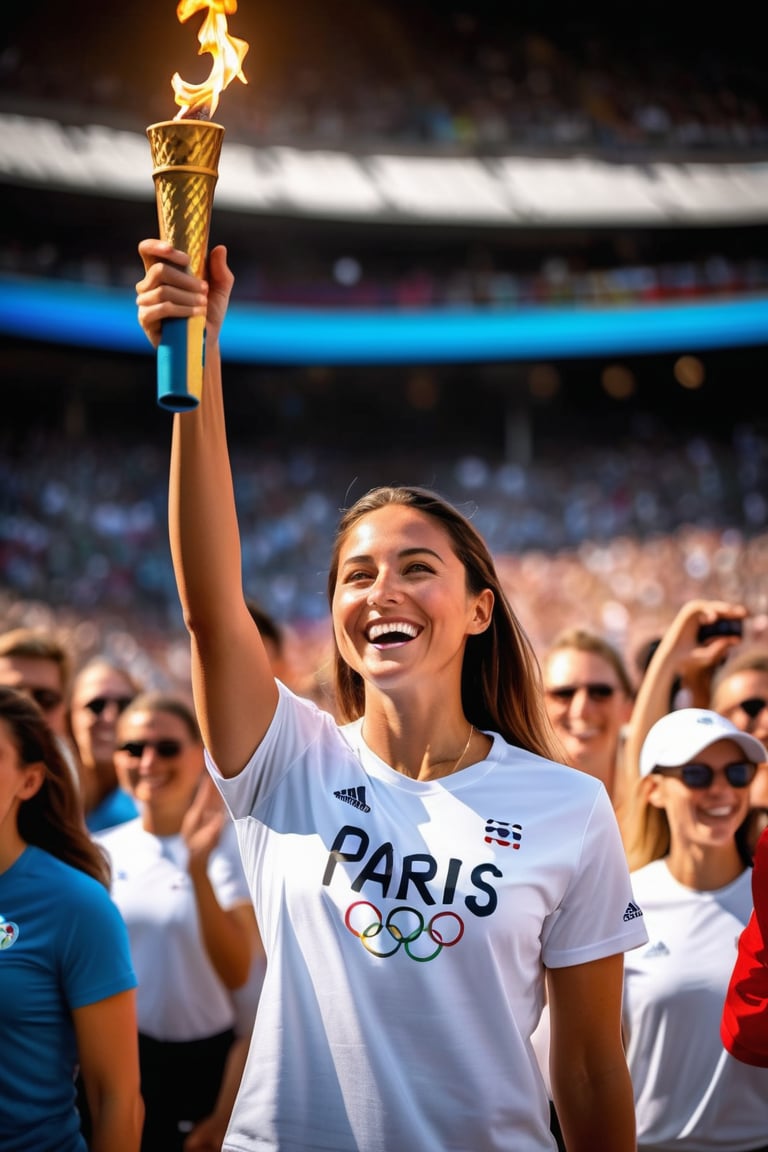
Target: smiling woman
(179,883)
(68,988)
(687,841)
(424,871)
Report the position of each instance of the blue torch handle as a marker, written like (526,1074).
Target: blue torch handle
(180,359)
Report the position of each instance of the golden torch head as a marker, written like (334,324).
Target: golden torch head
(185,159)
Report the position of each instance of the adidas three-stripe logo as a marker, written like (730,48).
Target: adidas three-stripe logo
(353,796)
(632,912)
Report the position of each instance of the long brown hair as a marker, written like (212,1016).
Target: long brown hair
(501,680)
(52,819)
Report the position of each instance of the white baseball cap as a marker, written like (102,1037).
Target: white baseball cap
(682,734)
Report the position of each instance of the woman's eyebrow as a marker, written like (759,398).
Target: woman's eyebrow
(420,551)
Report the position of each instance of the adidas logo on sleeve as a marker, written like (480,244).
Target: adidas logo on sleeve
(632,912)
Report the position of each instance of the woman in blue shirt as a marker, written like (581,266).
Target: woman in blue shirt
(67,985)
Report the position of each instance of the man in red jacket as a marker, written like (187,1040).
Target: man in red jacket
(744,1026)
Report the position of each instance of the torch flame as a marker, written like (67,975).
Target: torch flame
(199,101)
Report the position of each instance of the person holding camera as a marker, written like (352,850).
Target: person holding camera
(680,670)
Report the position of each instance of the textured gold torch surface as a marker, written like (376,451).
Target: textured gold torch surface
(185,158)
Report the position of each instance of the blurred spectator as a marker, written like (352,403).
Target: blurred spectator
(179,884)
(588,693)
(100,692)
(692,879)
(67,994)
(35,661)
(38,663)
(740,692)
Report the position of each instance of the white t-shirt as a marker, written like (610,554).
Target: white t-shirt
(405,924)
(690,1093)
(180,996)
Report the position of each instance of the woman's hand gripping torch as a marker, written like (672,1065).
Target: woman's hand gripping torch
(185,158)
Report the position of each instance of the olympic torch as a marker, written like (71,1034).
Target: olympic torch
(185,159)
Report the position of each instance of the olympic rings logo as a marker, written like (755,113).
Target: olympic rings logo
(404,926)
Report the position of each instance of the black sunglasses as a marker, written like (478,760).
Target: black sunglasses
(753,707)
(46,698)
(595,691)
(696,776)
(99,703)
(165,748)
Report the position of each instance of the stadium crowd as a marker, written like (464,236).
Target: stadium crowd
(343,75)
(619,537)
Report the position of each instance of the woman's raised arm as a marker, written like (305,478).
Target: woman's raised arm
(235,692)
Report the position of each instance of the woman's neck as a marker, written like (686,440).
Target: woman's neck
(161,823)
(705,869)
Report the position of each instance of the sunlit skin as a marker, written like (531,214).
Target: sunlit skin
(26,672)
(588,729)
(164,787)
(704,819)
(747,685)
(397,568)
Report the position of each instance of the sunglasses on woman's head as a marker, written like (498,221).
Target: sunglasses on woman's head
(696,776)
(99,703)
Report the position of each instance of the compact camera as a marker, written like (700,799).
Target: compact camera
(721,627)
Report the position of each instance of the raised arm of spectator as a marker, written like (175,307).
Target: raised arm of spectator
(679,653)
(235,692)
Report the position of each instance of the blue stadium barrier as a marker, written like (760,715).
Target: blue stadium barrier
(105,319)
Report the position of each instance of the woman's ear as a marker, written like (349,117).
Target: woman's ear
(654,790)
(34,774)
(483,612)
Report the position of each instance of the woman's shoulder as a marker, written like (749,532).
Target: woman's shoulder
(66,884)
(553,771)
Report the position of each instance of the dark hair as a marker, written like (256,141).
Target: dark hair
(500,681)
(52,819)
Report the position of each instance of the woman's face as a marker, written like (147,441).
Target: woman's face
(17,781)
(99,695)
(703,817)
(743,699)
(157,760)
(401,606)
(587,707)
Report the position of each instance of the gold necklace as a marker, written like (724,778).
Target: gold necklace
(464,750)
